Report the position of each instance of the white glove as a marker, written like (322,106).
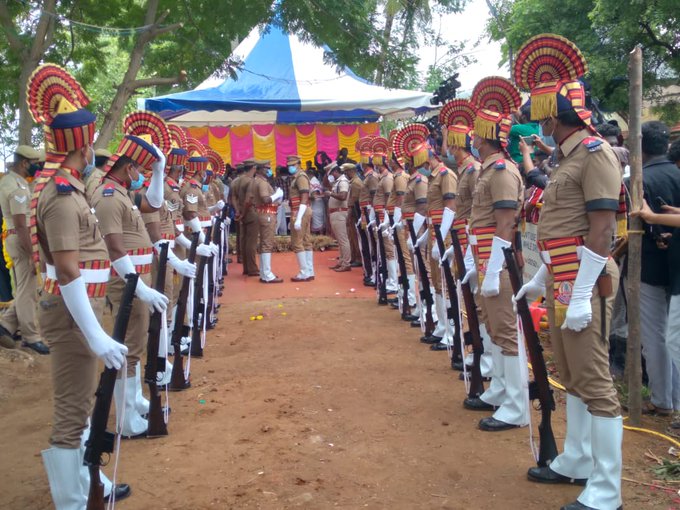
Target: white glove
(435,251)
(397,215)
(418,222)
(154,194)
(227,221)
(491,286)
(447,257)
(278,195)
(183,241)
(298,219)
(358,223)
(422,239)
(470,275)
(386,231)
(469,259)
(112,353)
(151,297)
(579,311)
(385,221)
(371,223)
(217,207)
(183,267)
(203,250)
(194,224)
(371,214)
(447,220)
(214,249)
(534,288)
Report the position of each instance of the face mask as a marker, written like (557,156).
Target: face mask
(292,169)
(205,188)
(425,171)
(331,179)
(33,168)
(475,152)
(135,185)
(269,172)
(88,168)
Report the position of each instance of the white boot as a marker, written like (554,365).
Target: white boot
(171,327)
(412,301)
(141,403)
(514,409)
(576,460)
(302,262)
(392,276)
(486,364)
(167,375)
(495,393)
(266,267)
(310,263)
(603,490)
(63,473)
(440,307)
(262,273)
(85,472)
(133,423)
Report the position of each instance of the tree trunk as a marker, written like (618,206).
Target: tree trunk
(633,362)
(387,34)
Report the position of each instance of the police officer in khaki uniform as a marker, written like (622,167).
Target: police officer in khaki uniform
(367,192)
(586,185)
(15,202)
(262,198)
(380,200)
(352,218)
(497,201)
(70,245)
(301,217)
(233,201)
(248,220)
(94,179)
(131,250)
(337,210)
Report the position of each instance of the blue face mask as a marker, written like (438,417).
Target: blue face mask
(89,168)
(135,185)
(475,152)
(292,169)
(269,172)
(205,188)
(425,171)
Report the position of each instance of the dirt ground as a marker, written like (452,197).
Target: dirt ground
(328,401)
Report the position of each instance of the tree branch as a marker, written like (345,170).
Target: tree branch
(155,32)
(155,81)
(10,30)
(657,42)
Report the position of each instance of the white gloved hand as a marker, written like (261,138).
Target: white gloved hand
(194,224)
(579,311)
(470,275)
(151,297)
(447,257)
(358,223)
(385,220)
(278,195)
(469,259)
(183,267)
(154,193)
(491,286)
(370,224)
(203,250)
(422,239)
(534,288)
(371,214)
(298,218)
(386,232)
(227,221)
(435,251)
(214,249)
(418,222)
(397,215)
(219,205)
(447,220)
(183,241)
(112,353)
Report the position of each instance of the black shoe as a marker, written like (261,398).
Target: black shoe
(38,347)
(491,424)
(439,347)
(477,404)
(393,301)
(547,475)
(394,306)
(121,491)
(355,264)
(457,365)
(577,505)
(415,323)
(141,435)
(430,339)
(410,318)
(369,284)
(461,376)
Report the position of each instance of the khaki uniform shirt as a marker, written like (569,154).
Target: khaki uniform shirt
(218,187)
(587,178)
(499,186)
(369,188)
(15,198)
(173,201)
(382,193)
(92,183)
(355,186)
(340,186)
(468,171)
(298,186)
(400,183)
(244,186)
(191,195)
(234,190)
(416,193)
(66,222)
(258,190)
(443,185)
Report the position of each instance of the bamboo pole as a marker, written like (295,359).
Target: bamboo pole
(633,356)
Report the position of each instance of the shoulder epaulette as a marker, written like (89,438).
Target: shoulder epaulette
(418,178)
(500,164)
(108,190)
(63,186)
(592,143)
(443,170)
(470,168)
(193,184)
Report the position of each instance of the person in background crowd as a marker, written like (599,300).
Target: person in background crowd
(337,210)
(661,185)
(282,182)
(674,153)
(611,133)
(535,163)
(318,204)
(95,175)
(522,128)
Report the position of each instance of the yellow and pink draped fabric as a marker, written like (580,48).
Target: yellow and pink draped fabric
(276,141)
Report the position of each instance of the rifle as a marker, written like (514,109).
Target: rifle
(178,382)
(451,310)
(476,381)
(101,441)
(381,274)
(198,313)
(154,362)
(426,300)
(539,388)
(373,248)
(403,277)
(212,288)
(365,246)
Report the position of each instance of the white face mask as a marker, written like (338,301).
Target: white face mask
(331,179)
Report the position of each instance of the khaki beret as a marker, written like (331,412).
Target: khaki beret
(346,167)
(331,166)
(262,162)
(248,162)
(102,153)
(293,159)
(28,152)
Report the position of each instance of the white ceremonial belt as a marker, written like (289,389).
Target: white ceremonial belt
(179,225)
(472,239)
(141,260)
(206,223)
(89,275)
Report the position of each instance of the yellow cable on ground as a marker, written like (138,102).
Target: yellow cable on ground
(557,385)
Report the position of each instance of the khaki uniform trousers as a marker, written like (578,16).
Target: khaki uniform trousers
(583,358)
(239,241)
(500,317)
(339,226)
(267,224)
(403,236)
(353,236)
(74,369)
(138,327)
(301,240)
(435,268)
(249,237)
(21,313)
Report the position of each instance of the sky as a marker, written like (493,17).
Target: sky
(468,27)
